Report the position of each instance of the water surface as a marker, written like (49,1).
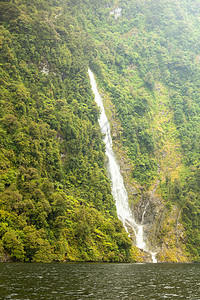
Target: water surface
(99,281)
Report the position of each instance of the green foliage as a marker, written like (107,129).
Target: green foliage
(54,190)
(153,42)
(186,194)
(13,244)
(55,197)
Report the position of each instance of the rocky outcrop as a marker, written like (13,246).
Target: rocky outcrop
(163,231)
(116,12)
(4,257)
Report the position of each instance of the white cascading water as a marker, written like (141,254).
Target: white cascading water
(118,189)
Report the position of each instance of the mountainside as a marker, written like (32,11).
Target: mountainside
(55,195)
(147,62)
(55,201)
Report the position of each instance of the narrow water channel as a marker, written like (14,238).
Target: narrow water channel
(118,189)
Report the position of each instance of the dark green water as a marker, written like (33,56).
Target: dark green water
(99,281)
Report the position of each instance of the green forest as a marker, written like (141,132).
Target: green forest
(55,196)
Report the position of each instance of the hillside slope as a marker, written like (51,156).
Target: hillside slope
(147,63)
(55,197)
(55,201)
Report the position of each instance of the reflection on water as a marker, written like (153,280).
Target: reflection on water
(99,281)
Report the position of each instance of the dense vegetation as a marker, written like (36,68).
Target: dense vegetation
(147,61)
(55,201)
(55,197)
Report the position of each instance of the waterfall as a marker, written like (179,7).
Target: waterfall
(118,189)
(144,212)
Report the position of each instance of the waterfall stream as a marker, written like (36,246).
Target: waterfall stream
(118,189)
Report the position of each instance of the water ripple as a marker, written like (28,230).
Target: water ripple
(100,281)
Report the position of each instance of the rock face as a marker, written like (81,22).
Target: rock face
(116,12)
(163,231)
(4,257)
(149,212)
(164,234)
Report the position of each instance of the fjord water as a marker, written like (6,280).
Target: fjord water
(99,281)
(118,189)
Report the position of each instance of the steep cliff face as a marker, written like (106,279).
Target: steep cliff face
(147,65)
(163,230)
(55,196)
